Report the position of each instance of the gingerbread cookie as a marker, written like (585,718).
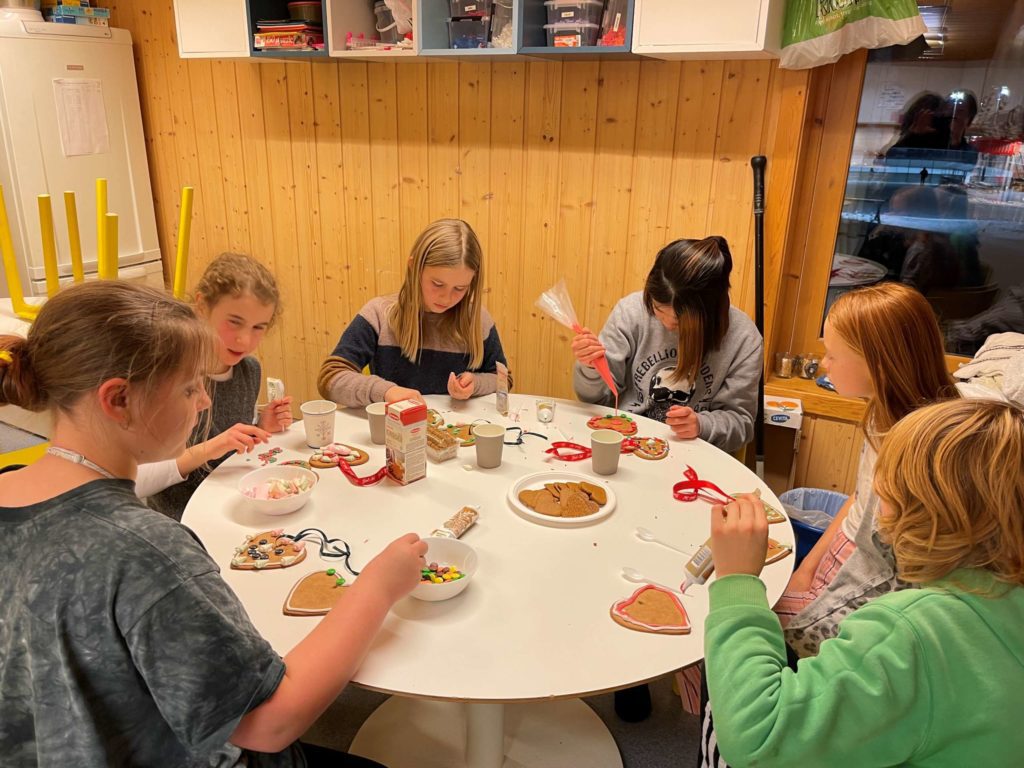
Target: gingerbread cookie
(463,433)
(650,448)
(618,422)
(315,594)
(329,456)
(564,499)
(296,463)
(268,549)
(434,419)
(776,551)
(652,609)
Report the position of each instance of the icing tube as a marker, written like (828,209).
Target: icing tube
(601,366)
(699,567)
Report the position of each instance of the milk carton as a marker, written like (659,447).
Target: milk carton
(406,441)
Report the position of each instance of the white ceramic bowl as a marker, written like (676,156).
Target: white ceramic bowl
(270,472)
(451,552)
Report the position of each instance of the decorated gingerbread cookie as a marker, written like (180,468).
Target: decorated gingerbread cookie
(434,419)
(618,422)
(776,551)
(268,549)
(650,448)
(315,594)
(330,455)
(296,463)
(463,433)
(652,609)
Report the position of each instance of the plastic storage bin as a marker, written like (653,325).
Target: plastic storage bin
(470,8)
(306,10)
(571,35)
(613,23)
(387,27)
(470,32)
(501,25)
(574,11)
(811,510)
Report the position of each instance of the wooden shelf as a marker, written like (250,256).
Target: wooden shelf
(817,401)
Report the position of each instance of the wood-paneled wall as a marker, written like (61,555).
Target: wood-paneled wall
(327,172)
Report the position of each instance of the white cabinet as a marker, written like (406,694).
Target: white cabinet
(708,29)
(212,28)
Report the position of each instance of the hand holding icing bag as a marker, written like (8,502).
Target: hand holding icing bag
(556,304)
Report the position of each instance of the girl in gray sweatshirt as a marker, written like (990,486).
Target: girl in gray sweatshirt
(678,351)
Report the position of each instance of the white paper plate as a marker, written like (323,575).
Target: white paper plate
(536,480)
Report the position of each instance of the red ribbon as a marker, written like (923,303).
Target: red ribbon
(693,488)
(577,452)
(373,479)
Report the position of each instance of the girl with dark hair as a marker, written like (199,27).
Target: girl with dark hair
(678,351)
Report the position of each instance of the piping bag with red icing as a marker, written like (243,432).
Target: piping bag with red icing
(556,303)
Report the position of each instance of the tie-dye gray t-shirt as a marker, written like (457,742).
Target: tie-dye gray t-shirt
(119,642)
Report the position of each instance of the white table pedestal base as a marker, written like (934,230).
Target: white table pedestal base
(415,733)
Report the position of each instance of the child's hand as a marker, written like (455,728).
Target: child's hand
(739,536)
(587,347)
(396,570)
(683,422)
(395,394)
(277,416)
(461,387)
(241,438)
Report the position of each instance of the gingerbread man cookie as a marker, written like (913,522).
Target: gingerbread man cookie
(268,549)
(330,455)
(618,422)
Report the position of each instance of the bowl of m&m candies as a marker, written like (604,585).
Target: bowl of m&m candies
(278,489)
(450,564)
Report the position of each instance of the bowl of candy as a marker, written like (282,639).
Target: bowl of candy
(278,490)
(450,565)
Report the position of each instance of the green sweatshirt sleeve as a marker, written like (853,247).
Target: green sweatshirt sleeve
(864,700)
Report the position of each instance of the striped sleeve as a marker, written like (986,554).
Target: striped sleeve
(487,378)
(341,376)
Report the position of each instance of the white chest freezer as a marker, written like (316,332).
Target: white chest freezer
(69,114)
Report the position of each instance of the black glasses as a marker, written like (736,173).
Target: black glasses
(518,440)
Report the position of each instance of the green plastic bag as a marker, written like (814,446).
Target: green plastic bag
(818,32)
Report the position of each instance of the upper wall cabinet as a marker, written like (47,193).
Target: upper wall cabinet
(698,29)
(212,29)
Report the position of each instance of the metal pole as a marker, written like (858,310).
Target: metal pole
(758,164)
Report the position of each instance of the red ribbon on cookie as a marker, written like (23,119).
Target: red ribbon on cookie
(693,488)
(576,452)
(373,479)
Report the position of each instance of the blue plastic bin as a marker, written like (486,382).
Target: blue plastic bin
(810,499)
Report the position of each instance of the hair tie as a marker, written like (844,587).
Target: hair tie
(6,356)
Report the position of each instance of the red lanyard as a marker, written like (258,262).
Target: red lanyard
(576,452)
(373,479)
(693,488)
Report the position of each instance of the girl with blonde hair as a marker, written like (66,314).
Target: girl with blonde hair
(882,343)
(433,337)
(122,643)
(927,677)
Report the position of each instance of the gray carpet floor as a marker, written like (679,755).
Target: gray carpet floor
(667,739)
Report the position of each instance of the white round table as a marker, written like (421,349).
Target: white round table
(533,627)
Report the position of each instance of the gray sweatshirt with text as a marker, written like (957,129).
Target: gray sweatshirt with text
(642,357)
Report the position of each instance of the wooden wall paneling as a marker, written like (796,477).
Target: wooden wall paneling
(828,451)
(306,256)
(385,177)
(504,249)
(259,205)
(232,165)
(443,137)
(413,165)
(542,146)
(337,310)
(853,460)
(803,451)
(657,104)
(700,94)
(474,169)
(614,177)
(575,205)
(744,94)
(210,161)
(356,170)
(276,121)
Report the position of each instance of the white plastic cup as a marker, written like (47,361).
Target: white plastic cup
(606,447)
(375,414)
(318,418)
(490,440)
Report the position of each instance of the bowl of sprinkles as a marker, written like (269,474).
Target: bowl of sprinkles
(450,565)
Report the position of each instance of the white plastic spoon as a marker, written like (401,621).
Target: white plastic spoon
(645,534)
(632,574)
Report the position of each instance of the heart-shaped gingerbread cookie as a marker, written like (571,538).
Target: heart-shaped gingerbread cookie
(267,549)
(652,609)
(314,595)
